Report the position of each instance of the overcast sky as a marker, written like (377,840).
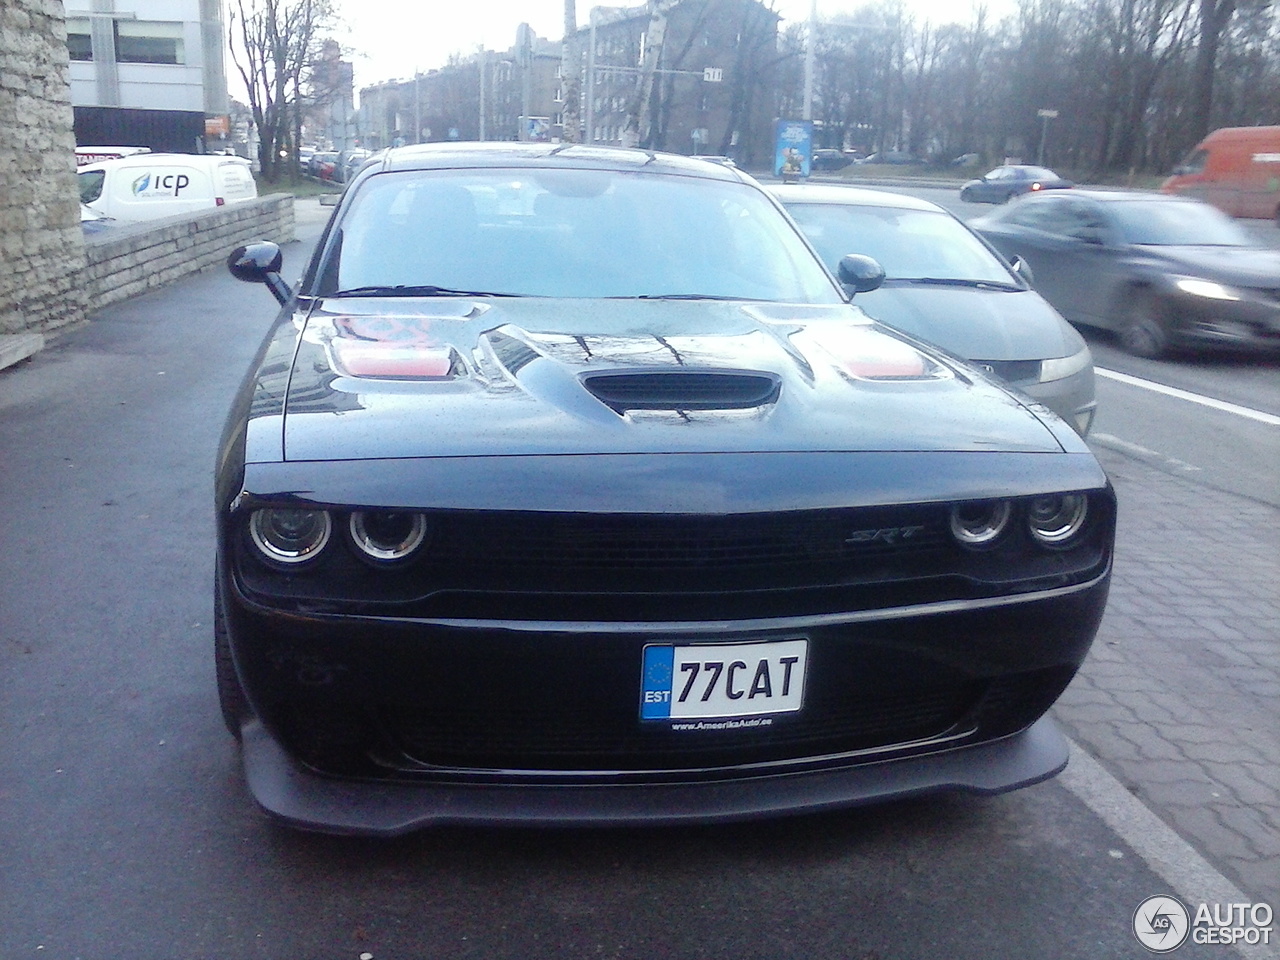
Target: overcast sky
(390,39)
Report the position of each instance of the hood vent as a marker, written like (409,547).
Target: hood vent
(683,389)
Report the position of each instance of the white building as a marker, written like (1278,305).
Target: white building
(148,72)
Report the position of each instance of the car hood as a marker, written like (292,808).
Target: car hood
(1247,266)
(382,378)
(973,323)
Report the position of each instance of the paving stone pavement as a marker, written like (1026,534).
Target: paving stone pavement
(1180,695)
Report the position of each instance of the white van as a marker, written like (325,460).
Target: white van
(151,185)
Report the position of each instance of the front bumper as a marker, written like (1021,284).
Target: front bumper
(306,800)
(1248,324)
(1072,398)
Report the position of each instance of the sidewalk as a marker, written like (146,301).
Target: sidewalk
(1180,696)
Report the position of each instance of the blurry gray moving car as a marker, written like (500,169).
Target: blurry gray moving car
(945,286)
(1160,271)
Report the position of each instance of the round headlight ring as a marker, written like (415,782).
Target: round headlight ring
(980,524)
(1055,520)
(290,536)
(387,536)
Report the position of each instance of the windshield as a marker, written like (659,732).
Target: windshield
(91,185)
(909,244)
(568,233)
(1175,223)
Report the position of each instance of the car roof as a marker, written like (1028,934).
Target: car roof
(465,155)
(1108,196)
(158,160)
(849,196)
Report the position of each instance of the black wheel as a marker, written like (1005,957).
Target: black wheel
(1144,331)
(231,697)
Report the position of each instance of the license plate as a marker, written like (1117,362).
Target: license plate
(714,681)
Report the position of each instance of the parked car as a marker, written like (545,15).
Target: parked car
(348,162)
(322,164)
(567,487)
(892,157)
(147,186)
(1237,169)
(1011,180)
(944,284)
(829,160)
(1161,272)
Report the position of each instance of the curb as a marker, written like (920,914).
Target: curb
(18,346)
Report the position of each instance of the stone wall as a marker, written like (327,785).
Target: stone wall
(125,260)
(41,244)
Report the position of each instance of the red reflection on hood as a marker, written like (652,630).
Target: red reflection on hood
(390,347)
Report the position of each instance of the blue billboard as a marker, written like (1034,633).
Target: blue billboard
(794,149)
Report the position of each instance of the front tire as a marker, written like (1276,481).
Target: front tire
(231,697)
(1145,329)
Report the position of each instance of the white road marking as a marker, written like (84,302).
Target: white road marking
(1190,876)
(1139,452)
(1239,411)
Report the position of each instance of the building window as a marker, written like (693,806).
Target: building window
(78,42)
(149,41)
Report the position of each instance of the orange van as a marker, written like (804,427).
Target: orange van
(1237,169)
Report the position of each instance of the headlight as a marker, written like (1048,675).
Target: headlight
(290,536)
(1061,367)
(979,524)
(387,535)
(1055,520)
(1206,288)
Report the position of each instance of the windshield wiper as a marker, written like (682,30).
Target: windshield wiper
(956,282)
(407,290)
(679,296)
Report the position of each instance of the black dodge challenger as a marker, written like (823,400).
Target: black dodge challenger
(568,487)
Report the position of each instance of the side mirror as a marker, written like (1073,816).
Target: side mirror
(859,274)
(260,262)
(1023,270)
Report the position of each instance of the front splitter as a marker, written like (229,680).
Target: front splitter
(303,799)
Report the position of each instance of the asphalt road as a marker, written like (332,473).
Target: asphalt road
(126,830)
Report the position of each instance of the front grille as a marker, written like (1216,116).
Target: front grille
(1012,371)
(501,740)
(582,542)
(648,567)
(477,734)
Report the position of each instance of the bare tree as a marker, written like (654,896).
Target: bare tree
(570,69)
(1215,15)
(639,115)
(273,42)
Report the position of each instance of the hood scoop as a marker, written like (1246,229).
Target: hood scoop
(668,389)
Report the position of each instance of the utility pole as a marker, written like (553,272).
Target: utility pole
(810,59)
